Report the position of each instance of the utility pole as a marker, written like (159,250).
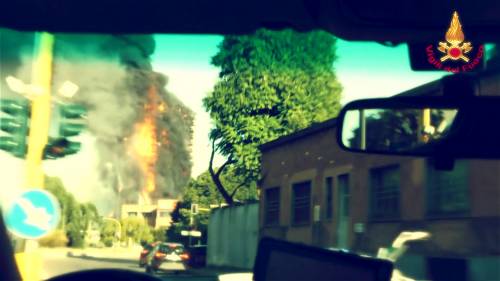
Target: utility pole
(40,109)
(195,209)
(29,260)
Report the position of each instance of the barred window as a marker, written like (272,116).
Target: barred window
(329,197)
(385,185)
(447,191)
(272,206)
(302,202)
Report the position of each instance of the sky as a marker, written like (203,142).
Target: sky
(365,70)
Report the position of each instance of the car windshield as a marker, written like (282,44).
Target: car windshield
(219,141)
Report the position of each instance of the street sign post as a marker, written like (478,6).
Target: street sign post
(195,233)
(33,215)
(192,233)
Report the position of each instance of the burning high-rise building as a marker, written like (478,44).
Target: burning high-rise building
(141,132)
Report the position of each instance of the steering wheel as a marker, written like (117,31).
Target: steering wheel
(104,274)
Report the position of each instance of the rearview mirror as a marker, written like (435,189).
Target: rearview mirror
(422,126)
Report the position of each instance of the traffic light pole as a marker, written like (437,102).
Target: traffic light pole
(29,261)
(40,109)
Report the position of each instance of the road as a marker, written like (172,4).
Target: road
(55,265)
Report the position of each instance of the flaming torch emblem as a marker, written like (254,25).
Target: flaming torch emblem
(455,47)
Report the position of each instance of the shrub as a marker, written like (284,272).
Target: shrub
(55,239)
(107,241)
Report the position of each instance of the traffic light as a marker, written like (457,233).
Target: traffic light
(60,147)
(71,115)
(71,124)
(16,124)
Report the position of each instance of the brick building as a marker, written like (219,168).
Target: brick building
(315,193)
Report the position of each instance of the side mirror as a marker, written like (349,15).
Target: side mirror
(465,127)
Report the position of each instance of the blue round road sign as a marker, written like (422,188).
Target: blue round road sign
(33,214)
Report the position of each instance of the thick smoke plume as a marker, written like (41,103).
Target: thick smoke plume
(114,74)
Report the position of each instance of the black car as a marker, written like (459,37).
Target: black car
(198,256)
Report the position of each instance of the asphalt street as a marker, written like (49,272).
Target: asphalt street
(54,265)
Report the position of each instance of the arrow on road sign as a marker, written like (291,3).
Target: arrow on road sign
(33,214)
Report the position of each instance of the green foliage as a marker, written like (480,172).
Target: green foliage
(266,49)
(107,241)
(75,217)
(202,190)
(272,83)
(180,221)
(136,229)
(160,234)
(57,238)
(109,230)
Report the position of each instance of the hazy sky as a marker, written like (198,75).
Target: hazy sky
(365,70)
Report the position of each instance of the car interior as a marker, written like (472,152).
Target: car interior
(467,134)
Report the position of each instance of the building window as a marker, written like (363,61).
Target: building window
(164,214)
(301,202)
(329,198)
(384,189)
(272,206)
(344,194)
(447,191)
(132,214)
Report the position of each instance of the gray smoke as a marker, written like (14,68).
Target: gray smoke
(113,74)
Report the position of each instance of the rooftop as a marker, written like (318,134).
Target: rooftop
(313,129)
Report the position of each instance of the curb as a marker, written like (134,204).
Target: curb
(128,257)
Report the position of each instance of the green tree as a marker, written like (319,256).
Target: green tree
(108,231)
(160,234)
(136,229)
(75,217)
(202,191)
(271,84)
(180,222)
(77,225)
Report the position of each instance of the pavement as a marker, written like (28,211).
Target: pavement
(57,261)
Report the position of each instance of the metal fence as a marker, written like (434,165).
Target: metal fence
(233,236)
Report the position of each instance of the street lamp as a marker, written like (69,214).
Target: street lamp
(68,89)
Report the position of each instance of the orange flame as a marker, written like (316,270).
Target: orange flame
(455,35)
(144,142)
(164,137)
(162,107)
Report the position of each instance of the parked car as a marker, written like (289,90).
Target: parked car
(144,253)
(167,257)
(198,256)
